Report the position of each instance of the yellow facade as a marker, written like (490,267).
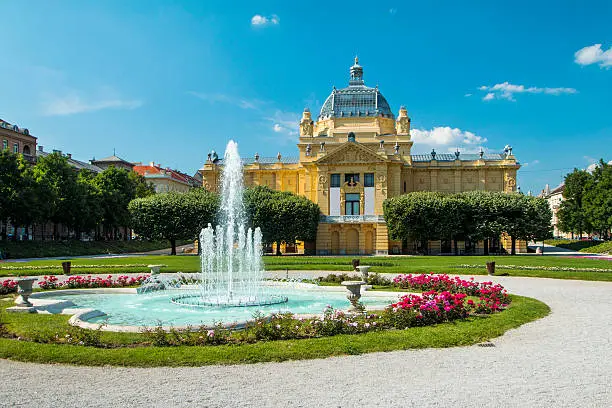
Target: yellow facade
(355,156)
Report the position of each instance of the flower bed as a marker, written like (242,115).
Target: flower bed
(80,282)
(8,286)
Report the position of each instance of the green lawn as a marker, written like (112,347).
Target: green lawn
(125,351)
(40,249)
(392,264)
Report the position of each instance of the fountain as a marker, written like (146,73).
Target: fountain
(231,265)
(229,288)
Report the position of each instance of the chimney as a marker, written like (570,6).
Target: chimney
(69,155)
(40,148)
(152,164)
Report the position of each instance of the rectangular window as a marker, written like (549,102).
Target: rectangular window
(16,148)
(349,176)
(368,180)
(335,180)
(351,204)
(4,144)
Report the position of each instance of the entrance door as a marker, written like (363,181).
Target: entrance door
(352,241)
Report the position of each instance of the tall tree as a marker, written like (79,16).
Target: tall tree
(572,215)
(57,180)
(10,183)
(597,199)
(117,187)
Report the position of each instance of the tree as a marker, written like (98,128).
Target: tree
(117,188)
(10,183)
(477,215)
(572,215)
(173,216)
(57,182)
(597,199)
(282,216)
(416,216)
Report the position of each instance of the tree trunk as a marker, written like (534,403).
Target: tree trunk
(27,232)
(513,250)
(485,244)
(456,248)
(278,251)
(173,246)
(15,228)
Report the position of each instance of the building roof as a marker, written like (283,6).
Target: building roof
(77,164)
(4,124)
(356,100)
(111,159)
(453,157)
(559,189)
(265,160)
(154,171)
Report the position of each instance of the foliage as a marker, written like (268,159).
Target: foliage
(54,191)
(572,217)
(598,199)
(282,216)
(424,216)
(173,216)
(587,201)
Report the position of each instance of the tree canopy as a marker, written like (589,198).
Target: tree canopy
(282,216)
(587,201)
(173,216)
(477,215)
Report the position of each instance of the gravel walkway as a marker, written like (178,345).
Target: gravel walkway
(563,360)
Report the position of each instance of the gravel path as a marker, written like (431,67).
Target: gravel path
(562,360)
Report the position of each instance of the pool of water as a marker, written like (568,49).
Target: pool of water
(152,309)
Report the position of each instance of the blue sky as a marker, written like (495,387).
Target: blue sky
(167,81)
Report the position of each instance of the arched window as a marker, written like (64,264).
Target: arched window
(26,149)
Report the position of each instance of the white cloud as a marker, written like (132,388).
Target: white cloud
(467,95)
(74,103)
(446,137)
(242,103)
(594,55)
(285,124)
(507,90)
(392,11)
(259,20)
(488,96)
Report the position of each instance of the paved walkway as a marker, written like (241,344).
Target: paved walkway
(563,360)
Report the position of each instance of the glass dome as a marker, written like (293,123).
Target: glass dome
(356,100)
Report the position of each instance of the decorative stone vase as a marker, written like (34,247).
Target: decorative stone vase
(355,263)
(364,272)
(491,268)
(24,290)
(66,267)
(155,269)
(354,289)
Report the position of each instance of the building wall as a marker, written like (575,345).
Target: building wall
(17,141)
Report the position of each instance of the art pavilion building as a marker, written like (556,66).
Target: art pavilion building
(356,155)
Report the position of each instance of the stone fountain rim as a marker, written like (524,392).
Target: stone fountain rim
(80,316)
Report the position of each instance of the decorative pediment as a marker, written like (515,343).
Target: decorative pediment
(351,153)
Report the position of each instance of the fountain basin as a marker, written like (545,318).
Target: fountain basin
(125,310)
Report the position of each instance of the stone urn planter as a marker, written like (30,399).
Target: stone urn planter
(354,289)
(24,290)
(491,268)
(364,272)
(155,269)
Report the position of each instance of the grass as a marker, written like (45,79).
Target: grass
(458,333)
(391,264)
(574,244)
(39,249)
